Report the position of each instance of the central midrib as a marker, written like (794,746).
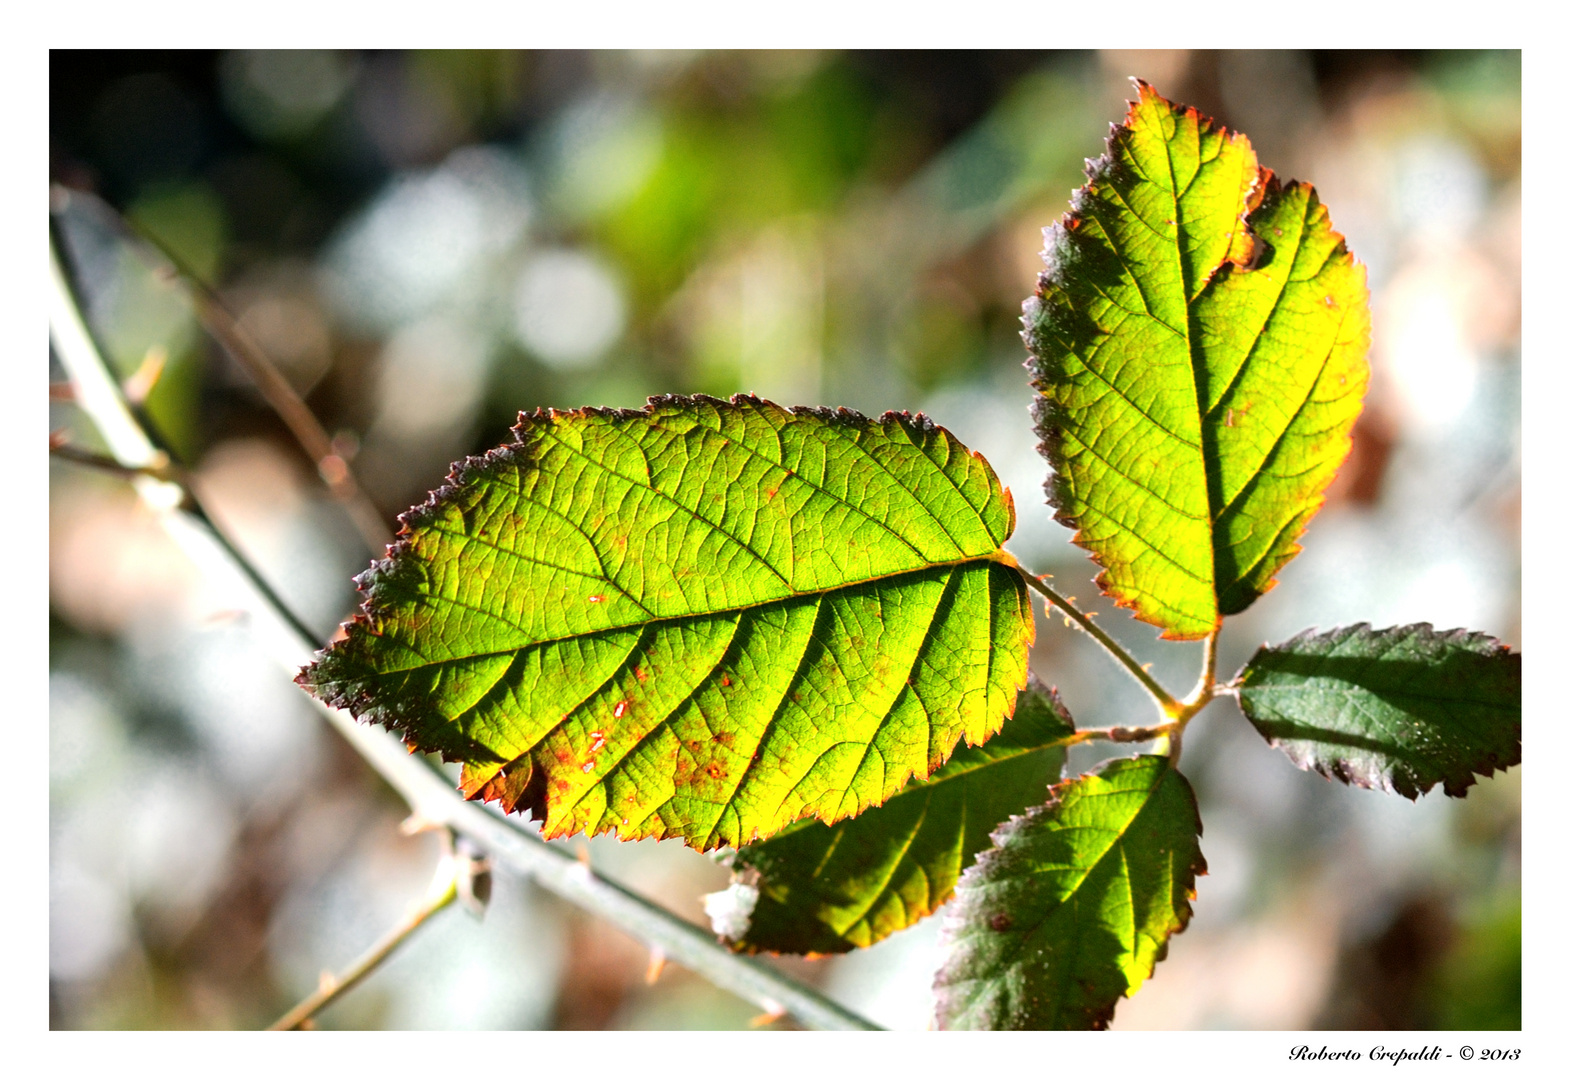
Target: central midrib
(997,556)
(1179,226)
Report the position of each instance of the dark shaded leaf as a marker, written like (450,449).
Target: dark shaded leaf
(1074,906)
(1401,709)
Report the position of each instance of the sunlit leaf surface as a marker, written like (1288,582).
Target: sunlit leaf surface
(1074,906)
(1199,378)
(832,888)
(1401,709)
(702,619)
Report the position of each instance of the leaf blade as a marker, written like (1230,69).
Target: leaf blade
(1194,401)
(1075,904)
(703,619)
(1400,709)
(830,889)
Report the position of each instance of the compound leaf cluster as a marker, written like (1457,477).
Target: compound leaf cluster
(795,632)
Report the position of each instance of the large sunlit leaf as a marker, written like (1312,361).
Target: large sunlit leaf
(702,619)
(1199,376)
(1074,906)
(1401,709)
(820,888)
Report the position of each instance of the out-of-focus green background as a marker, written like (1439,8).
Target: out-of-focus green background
(427,243)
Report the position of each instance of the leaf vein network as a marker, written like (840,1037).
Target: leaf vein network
(693,514)
(1276,443)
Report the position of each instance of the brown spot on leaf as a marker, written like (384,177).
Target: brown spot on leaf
(620,710)
(517,785)
(1000,922)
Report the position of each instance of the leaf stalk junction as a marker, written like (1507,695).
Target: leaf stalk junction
(1178,712)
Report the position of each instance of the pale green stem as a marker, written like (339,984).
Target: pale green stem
(1169,705)
(1119,734)
(429,794)
(1205,689)
(443,892)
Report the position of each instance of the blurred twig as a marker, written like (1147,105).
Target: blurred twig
(102,399)
(103,463)
(444,890)
(263,373)
(430,795)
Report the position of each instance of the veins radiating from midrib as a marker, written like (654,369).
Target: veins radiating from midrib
(876,895)
(778,711)
(649,487)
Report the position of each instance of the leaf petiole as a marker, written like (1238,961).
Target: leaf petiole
(1205,689)
(1170,706)
(1122,734)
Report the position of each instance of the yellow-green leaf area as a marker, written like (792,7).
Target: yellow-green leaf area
(1075,904)
(1199,342)
(833,888)
(704,619)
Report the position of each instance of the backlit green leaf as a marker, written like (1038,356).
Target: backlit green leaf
(702,619)
(832,888)
(1074,906)
(1199,378)
(1401,709)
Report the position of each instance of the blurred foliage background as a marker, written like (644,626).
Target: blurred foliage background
(427,243)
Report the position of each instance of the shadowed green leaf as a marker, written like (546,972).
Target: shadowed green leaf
(1199,379)
(1401,709)
(833,888)
(1074,906)
(703,619)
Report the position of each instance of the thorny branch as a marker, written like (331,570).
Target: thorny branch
(429,794)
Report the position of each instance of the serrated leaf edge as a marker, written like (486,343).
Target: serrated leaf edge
(1049,417)
(1334,770)
(752,875)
